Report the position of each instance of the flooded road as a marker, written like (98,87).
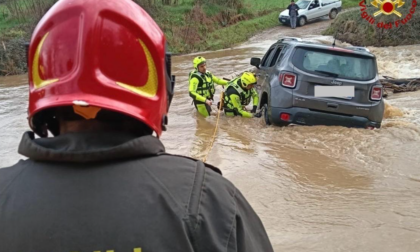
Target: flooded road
(315,188)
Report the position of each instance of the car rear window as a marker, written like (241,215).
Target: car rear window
(335,63)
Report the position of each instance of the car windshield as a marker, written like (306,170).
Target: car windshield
(303,4)
(335,64)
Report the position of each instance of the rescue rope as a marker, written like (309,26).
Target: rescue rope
(218,116)
(215,129)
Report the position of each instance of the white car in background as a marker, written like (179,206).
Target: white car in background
(311,10)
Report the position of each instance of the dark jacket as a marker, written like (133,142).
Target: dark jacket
(89,192)
(294,8)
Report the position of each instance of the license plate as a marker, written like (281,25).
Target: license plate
(343,92)
(283,20)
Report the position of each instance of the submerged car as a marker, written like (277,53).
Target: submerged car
(308,83)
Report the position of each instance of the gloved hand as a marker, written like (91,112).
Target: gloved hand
(254,109)
(258,115)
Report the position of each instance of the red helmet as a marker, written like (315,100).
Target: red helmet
(106,54)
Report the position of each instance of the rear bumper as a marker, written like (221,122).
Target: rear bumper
(304,116)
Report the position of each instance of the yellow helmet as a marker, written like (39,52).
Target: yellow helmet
(198,61)
(248,78)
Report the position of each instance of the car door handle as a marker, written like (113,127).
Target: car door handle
(332,105)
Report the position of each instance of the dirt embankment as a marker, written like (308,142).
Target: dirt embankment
(362,28)
(199,26)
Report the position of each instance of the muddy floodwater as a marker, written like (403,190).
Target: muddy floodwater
(315,188)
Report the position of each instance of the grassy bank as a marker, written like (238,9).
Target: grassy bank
(352,28)
(189,25)
(350,3)
(17,20)
(240,32)
(193,27)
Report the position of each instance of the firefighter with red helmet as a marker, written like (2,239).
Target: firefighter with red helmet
(96,177)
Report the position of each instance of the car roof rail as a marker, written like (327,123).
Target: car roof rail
(290,38)
(359,48)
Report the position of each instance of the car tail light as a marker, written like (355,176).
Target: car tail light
(285,117)
(376,93)
(288,80)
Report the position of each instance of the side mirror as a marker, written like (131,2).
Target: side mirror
(256,62)
(26,45)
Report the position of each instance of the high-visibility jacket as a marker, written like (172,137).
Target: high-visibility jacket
(202,85)
(235,98)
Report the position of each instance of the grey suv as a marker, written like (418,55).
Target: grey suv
(315,84)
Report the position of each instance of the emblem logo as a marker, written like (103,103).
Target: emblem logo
(335,82)
(387,7)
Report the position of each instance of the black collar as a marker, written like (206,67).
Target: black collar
(89,147)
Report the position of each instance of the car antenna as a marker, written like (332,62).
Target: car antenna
(335,35)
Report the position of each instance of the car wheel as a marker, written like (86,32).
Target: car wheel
(266,116)
(333,14)
(302,21)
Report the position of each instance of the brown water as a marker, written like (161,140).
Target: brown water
(315,188)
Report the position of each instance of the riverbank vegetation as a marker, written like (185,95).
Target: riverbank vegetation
(189,25)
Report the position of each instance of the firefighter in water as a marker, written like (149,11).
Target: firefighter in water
(97,177)
(202,86)
(238,94)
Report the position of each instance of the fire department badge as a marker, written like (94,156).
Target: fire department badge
(387,7)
